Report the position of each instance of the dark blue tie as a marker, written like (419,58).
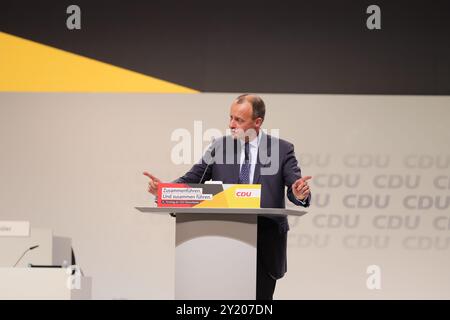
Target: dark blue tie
(244,174)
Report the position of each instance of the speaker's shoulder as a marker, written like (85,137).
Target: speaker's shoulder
(284,144)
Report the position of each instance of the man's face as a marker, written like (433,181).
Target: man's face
(242,124)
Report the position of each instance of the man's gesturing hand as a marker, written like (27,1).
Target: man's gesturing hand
(153,183)
(300,188)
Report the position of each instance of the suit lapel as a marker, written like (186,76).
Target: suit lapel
(257,174)
(237,157)
(263,149)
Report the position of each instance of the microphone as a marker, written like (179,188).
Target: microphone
(29,249)
(212,154)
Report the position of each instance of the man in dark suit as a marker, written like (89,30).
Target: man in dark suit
(261,159)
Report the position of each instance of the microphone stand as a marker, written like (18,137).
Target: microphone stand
(26,251)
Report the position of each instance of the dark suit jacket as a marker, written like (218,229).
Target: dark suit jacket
(272,231)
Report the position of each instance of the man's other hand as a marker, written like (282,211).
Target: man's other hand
(153,183)
(300,188)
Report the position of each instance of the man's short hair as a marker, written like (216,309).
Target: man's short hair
(258,106)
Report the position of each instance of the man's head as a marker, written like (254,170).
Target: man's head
(247,114)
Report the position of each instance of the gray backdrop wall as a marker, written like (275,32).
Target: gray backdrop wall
(74,162)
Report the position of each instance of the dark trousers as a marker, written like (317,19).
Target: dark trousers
(265,283)
(271,249)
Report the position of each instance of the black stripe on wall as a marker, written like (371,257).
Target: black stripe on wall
(260,46)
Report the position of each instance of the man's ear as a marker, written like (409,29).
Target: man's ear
(259,122)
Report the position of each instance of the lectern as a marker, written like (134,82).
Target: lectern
(215,254)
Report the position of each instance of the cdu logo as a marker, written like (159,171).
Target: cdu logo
(248,193)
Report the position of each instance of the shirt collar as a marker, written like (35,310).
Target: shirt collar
(254,142)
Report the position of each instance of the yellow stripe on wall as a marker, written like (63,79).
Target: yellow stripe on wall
(33,67)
